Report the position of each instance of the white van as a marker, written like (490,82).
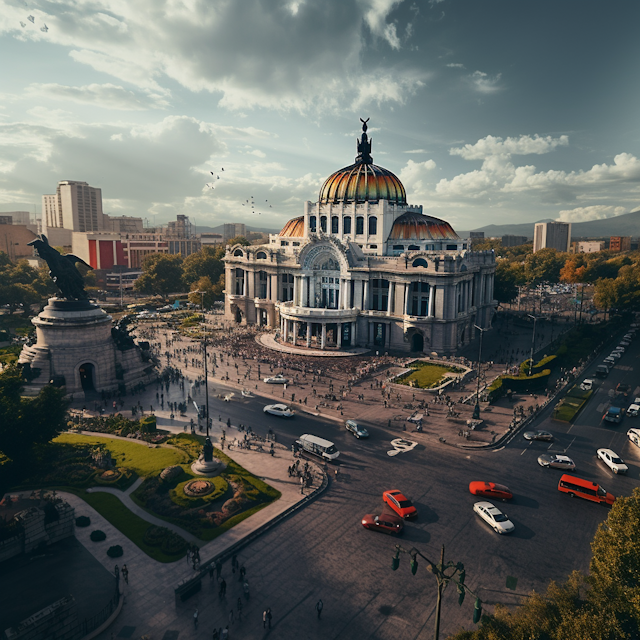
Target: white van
(318,446)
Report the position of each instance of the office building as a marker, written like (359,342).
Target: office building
(233,230)
(75,206)
(513,241)
(552,235)
(620,243)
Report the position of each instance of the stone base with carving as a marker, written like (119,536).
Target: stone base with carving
(208,468)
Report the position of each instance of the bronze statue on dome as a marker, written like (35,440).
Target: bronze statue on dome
(364,146)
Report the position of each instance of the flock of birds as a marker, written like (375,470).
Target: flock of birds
(32,20)
(249,202)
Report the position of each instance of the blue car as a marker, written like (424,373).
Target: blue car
(356,429)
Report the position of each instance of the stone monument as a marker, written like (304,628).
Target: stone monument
(206,464)
(76,345)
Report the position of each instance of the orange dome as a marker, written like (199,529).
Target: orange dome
(416,226)
(293,229)
(362,183)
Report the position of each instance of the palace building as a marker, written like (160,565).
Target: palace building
(362,267)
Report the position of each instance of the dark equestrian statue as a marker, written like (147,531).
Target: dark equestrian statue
(62,269)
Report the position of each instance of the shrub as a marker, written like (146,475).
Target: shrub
(98,536)
(154,535)
(148,424)
(173,544)
(179,497)
(115,551)
(83,521)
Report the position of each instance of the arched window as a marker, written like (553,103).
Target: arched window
(261,255)
(346,224)
(373,225)
(312,224)
(420,262)
(239,282)
(323,223)
(334,224)
(414,247)
(379,294)
(262,284)
(359,225)
(419,298)
(238,253)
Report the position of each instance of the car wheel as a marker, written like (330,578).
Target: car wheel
(572,495)
(496,530)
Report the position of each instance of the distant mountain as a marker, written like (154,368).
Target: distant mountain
(220,229)
(627,224)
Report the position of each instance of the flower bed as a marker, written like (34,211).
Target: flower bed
(428,375)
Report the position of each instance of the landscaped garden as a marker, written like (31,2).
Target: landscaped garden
(427,375)
(205,507)
(571,404)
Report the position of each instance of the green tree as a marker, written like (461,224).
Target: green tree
(606,294)
(161,275)
(26,425)
(205,263)
(239,240)
(203,285)
(544,266)
(509,275)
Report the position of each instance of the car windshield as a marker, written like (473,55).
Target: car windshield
(404,503)
(601,491)
(499,517)
(616,460)
(331,449)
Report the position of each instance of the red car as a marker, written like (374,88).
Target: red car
(399,503)
(385,522)
(490,490)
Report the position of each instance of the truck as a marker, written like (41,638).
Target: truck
(320,447)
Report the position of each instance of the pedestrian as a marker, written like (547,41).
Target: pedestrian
(216,634)
(269,616)
(264,619)
(125,573)
(319,607)
(225,633)
(195,619)
(239,608)
(189,554)
(243,572)
(231,616)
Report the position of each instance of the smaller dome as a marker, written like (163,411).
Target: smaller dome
(293,229)
(416,226)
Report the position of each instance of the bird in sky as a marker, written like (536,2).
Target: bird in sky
(23,24)
(31,19)
(222,168)
(45,28)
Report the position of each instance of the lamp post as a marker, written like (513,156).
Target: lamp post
(206,376)
(533,341)
(476,409)
(443,578)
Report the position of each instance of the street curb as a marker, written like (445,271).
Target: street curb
(192,585)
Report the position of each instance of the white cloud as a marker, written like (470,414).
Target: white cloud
(107,96)
(484,83)
(593,212)
(456,65)
(414,175)
(376,18)
(522,146)
(257,153)
(416,151)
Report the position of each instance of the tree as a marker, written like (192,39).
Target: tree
(203,285)
(544,266)
(239,240)
(205,263)
(606,294)
(162,275)
(509,275)
(26,424)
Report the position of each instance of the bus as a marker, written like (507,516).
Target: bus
(317,446)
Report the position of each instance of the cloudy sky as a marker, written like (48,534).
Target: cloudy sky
(494,111)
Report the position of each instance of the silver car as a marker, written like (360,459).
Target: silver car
(497,520)
(556,462)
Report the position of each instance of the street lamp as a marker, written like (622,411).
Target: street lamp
(533,341)
(476,409)
(206,375)
(443,578)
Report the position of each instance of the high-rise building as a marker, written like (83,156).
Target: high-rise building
(620,243)
(75,206)
(513,241)
(552,235)
(233,230)
(589,246)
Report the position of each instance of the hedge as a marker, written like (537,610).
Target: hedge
(115,551)
(518,384)
(83,521)
(98,536)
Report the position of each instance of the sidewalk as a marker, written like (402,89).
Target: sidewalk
(152,583)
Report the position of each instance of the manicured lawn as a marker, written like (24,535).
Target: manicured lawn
(571,405)
(129,524)
(426,375)
(143,460)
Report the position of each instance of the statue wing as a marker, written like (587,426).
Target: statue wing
(73,259)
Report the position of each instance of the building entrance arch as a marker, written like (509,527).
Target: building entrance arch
(417,342)
(87,376)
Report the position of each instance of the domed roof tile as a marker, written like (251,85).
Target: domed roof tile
(293,229)
(416,226)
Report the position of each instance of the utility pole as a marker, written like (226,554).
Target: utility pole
(533,342)
(206,376)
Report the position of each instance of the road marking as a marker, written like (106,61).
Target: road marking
(636,392)
(400,445)
(601,407)
(525,451)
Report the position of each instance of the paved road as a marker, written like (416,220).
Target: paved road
(323,552)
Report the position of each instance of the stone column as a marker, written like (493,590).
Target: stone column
(407,308)
(392,293)
(286,330)
(305,292)
(339,330)
(365,299)
(340,294)
(308,334)
(295,332)
(274,287)
(323,341)
(357,294)
(245,282)
(354,336)
(296,290)
(432,297)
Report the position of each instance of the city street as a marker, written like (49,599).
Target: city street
(323,552)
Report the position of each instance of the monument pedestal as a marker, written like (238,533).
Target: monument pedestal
(75,348)
(207,465)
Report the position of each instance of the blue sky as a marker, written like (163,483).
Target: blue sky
(489,112)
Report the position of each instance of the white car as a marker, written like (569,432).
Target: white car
(497,520)
(556,462)
(587,384)
(634,436)
(279,379)
(615,354)
(279,410)
(619,349)
(633,410)
(625,343)
(613,461)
